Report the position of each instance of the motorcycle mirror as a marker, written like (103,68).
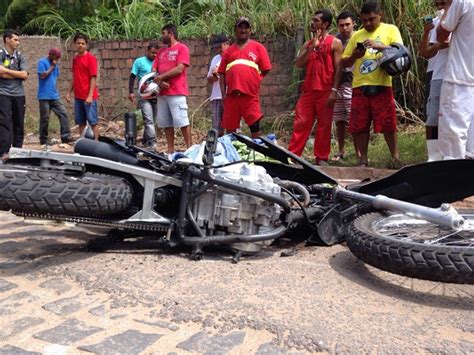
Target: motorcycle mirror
(130,119)
(210,147)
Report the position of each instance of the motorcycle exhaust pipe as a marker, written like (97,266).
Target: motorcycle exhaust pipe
(130,119)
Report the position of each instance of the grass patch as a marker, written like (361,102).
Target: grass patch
(411,144)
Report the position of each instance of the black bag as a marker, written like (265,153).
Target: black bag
(372,90)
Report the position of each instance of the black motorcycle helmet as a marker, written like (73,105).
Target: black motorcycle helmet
(395,60)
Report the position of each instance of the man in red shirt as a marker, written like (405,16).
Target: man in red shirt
(170,64)
(242,68)
(320,56)
(84,85)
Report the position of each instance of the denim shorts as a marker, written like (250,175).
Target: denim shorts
(85,113)
(172,111)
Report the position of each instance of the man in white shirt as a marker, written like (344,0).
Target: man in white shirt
(437,55)
(456,122)
(219,44)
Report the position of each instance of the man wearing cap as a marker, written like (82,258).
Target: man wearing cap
(219,44)
(148,107)
(242,68)
(49,98)
(320,56)
(12,94)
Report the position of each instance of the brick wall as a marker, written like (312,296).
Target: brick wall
(116,58)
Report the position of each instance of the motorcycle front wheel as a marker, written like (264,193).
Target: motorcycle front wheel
(415,248)
(30,189)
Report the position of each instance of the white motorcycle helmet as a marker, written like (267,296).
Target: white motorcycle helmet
(147,88)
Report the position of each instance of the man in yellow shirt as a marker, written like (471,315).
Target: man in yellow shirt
(372,96)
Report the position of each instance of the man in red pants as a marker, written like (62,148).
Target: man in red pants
(320,56)
(242,68)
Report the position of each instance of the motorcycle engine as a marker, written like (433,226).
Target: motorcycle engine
(221,211)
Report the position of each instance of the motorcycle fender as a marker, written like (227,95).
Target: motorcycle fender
(428,184)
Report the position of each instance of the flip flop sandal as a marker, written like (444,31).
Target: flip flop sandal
(337,157)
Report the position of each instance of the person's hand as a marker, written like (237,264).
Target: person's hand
(157,79)
(164,85)
(370,43)
(427,27)
(2,70)
(131,97)
(358,52)
(332,99)
(443,45)
(89,100)
(315,41)
(54,62)
(68,97)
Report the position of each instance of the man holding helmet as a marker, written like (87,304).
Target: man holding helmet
(147,103)
(372,97)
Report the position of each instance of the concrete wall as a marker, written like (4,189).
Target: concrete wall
(116,58)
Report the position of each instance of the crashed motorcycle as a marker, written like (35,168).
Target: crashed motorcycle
(401,223)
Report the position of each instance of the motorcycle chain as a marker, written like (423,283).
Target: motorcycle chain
(93,222)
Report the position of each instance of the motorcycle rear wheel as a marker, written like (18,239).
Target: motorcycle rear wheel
(43,191)
(415,248)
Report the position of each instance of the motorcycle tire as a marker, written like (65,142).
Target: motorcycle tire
(415,248)
(42,191)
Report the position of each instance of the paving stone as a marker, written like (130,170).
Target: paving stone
(129,342)
(9,266)
(269,348)
(23,295)
(159,323)
(10,247)
(67,333)
(203,343)
(19,326)
(13,350)
(56,284)
(6,286)
(10,304)
(98,311)
(64,306)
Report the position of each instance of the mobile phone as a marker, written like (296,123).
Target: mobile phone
(360,45)
(428,19)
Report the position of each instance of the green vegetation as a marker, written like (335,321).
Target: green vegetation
(134,19)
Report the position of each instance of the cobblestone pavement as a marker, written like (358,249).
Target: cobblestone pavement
(55,297)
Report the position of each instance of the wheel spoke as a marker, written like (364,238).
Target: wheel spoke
(407,229)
